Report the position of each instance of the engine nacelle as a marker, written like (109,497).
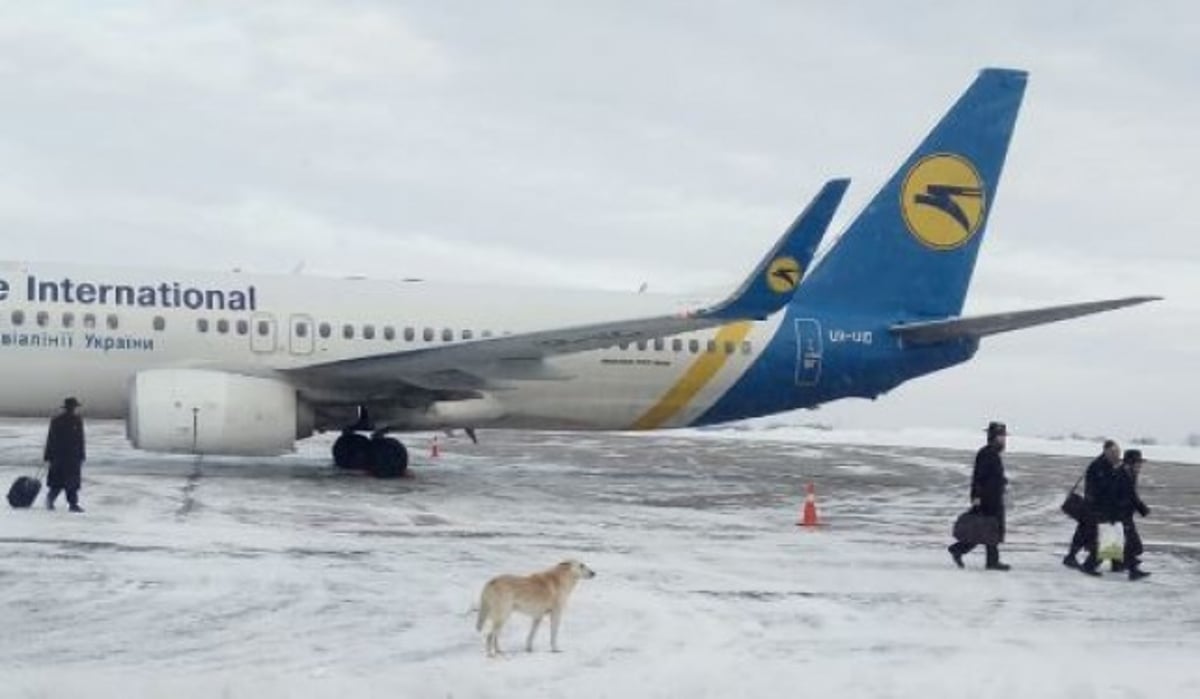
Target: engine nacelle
(199,411)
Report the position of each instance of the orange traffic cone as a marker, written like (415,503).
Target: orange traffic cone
(434,451)
(808,516)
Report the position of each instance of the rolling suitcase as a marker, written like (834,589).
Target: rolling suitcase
(24,491)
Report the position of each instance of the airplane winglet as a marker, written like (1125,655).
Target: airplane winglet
(773,282)
(975,327)
(769,288)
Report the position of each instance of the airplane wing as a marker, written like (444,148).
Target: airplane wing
(469,365)
(932,332)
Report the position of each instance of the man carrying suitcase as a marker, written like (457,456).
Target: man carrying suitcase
(987,495)
(65,454)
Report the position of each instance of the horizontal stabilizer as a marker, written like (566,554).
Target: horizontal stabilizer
(931,332)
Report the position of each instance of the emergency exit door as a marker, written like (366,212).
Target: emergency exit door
(300,334)
(263,333)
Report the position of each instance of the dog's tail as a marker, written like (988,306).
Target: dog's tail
(483,613)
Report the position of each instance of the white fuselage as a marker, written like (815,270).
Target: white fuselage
(86,331)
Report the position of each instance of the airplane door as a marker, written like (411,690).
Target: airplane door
(262,333)
(808,352)
(300,334)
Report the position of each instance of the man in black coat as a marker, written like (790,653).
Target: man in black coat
(65,454)
(1099,495)
(987,493)
(1127,503)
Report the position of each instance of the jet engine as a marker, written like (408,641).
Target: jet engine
(201,411)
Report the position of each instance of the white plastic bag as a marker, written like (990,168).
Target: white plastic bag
(1112,542)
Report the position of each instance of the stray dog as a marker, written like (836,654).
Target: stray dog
(536,595)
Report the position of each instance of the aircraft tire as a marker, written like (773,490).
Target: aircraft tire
(389,458)
(352,451)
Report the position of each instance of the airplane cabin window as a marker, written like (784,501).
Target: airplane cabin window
(711,347)
(202,324)
(623,346)
(389,333)
(368,332)
(659,344)
(693,346)
(68,320)
(223,326)
(160,323)
(301,329)
(112,321)
(428,334)
(730,348)
(43,319)
(410,334)
(467,334)
(264,328)
(89,321)
(447,335)
(641,345)
(325,330)
(348,331)
(487,333)
(677,345)
(18,317)
(243,327)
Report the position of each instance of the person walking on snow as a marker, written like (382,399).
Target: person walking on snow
(988,483)
(1127,503)
(1098,495)
(65,455)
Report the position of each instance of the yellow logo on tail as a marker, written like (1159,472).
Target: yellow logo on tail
(783,275)
(942,201)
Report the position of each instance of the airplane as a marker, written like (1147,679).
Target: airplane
(242,364)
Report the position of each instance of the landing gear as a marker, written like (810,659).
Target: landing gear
(389,458)
(352,450)
(382,457)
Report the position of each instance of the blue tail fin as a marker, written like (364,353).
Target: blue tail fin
(911,252)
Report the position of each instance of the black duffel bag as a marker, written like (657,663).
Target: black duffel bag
(1074,506)
(24,491)
(974,527)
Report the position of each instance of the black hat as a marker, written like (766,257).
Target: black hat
(71,403)
(1133,456)
(996,428)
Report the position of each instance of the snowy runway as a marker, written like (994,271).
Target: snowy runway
(281,577)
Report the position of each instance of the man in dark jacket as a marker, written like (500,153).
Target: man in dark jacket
(65,454)
(1127,503)
(987,493)
(1099,495)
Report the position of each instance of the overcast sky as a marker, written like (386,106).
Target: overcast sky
(610,144)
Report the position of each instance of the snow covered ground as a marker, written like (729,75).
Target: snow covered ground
(784,429)
(281,577)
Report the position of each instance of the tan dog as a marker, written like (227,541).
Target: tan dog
(536,595)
